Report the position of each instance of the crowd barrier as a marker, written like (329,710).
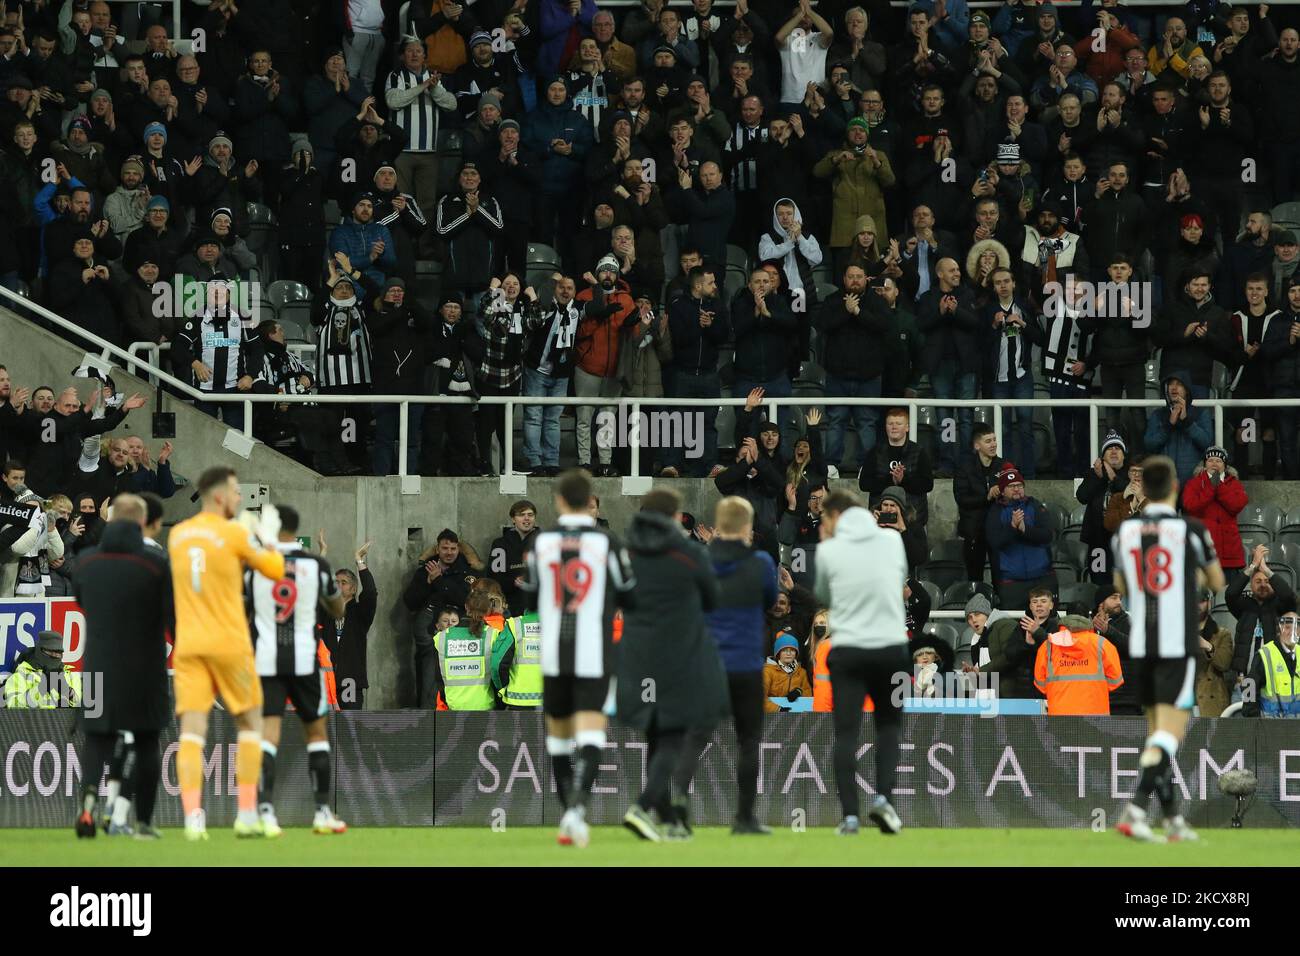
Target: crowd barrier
(421,768)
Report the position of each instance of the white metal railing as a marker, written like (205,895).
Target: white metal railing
(129,361)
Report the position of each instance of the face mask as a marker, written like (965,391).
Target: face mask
(819,630)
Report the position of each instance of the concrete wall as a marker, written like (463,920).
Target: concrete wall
(400,526)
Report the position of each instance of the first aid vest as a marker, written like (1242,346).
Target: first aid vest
(822,698)
(524,686)
(1281,694)
(465,663)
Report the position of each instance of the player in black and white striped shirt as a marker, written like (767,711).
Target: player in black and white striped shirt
(577,576)
(1162,561)
(282,615)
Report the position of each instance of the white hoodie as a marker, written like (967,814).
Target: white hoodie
(861,572)
(808,247)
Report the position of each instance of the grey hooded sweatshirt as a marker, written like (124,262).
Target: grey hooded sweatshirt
(860,576)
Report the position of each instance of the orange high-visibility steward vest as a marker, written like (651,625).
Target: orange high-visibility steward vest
(822,702)
(327,668)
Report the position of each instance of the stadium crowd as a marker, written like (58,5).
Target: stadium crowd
(543,198)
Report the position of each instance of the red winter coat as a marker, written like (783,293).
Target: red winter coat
(599,336)
(1217,507)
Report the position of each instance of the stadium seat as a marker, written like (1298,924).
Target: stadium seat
(947,550)
(936,595)
(1225,619)
(733,282)
(1066,572)
(542,257)
(1261,517)
(956,596)
(1286,551)
(1291,523)
(331,211)
(943,573)
(1080,597)
(261,239)
(284,291)
(1057,517)
(737,259)
(293,332)
(1286,215)
(1284,571)
(1070,553)
(945,631)
(1070,536)
(1251,538)
(1076,518)
(1219,602)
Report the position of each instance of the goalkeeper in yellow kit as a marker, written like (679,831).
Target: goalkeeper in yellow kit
(214,654)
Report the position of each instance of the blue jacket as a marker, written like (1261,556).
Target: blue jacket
(747,588)
(354,240)
(1022,555)
(1185,442)
(560,174)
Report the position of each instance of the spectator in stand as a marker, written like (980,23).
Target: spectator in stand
(82,289)
(400,336)
(442,579)
(757,478)
(1019,532)
(1013,644)
(125,206)
(799,529)
(344,349)
(699,323)
(708,211)
(608,309)
(156,241)
(513,174)
(455,345)
(1128,502)
(330,98)
(946,317)
(84,160)
(1009,333)
(641,361)
(266,104)
(1273,672)
(976,489)
(471,225)
(1212,691)
(54,433)
(205,262)
(1284,375)
(105,468)
(213,348)
(1192,331)
(617,56)
(1249,326)
(893,511)
(562,137)
(346,638)
(1276,75)
(506,555)
(899,462)
(402,216)
(1120,350)
(419,104)
(853,322)
(365,143)
(366,242)
(547,368)
(145,478)
(1179,431)
(861,174)
(1216,496)
(1257,598)
(1106,478)
(510,314)
(763,323)
(783,675)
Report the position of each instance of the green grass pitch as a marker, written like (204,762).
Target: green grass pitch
(614,846)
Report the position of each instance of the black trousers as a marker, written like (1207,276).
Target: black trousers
(975,552)
(663,754)
(856,672)
(448,445)
(746,694)
(97,750)
(492,421)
